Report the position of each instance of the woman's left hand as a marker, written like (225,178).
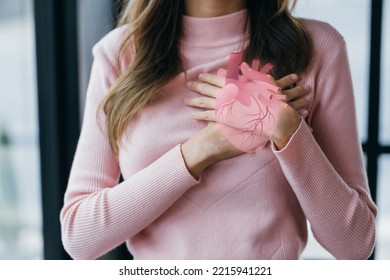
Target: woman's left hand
(289,120)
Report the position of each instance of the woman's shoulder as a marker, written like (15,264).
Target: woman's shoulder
(324,36)
(107,48)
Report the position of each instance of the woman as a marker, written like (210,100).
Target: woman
(187,192)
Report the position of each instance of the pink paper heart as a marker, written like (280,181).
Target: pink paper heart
(247,107)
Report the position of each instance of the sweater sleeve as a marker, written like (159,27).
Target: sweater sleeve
(98,213)
(325,168)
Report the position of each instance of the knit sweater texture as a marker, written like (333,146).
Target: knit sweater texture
(254,206)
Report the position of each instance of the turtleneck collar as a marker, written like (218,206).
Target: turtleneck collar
(213,31)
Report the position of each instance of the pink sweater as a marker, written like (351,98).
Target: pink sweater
(247,207)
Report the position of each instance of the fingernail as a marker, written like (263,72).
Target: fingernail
(189,84)
(196,114)
(294,77)
(200,76)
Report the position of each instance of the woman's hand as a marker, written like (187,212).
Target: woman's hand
(289,119)
(210,84)
(295,94)
(205,148)
(209,145)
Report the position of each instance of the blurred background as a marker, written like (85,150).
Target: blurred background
(45,60)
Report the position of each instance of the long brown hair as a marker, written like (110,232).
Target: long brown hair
(153,35)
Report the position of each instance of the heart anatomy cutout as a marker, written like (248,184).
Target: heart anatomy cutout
(247,107)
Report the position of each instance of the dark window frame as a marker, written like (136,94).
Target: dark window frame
(58,99)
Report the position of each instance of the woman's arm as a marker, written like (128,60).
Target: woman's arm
(98,213)
(325,168)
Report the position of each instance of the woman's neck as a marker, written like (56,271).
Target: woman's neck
(212,8)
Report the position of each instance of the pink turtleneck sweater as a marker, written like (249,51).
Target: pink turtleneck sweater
(246,207)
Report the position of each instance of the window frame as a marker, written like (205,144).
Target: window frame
(58,99)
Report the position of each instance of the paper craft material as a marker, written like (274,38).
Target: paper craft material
(247,107)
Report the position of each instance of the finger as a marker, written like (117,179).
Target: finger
(287,81)
(300,104)
(205,115)
(203,88)
(212,79)
(200,102)
(303,113)
(296,92)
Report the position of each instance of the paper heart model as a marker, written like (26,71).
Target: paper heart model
(247,107)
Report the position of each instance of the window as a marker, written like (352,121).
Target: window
(383,224)
(20,197)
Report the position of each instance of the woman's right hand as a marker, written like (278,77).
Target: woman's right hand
(206,147)
(209,144)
